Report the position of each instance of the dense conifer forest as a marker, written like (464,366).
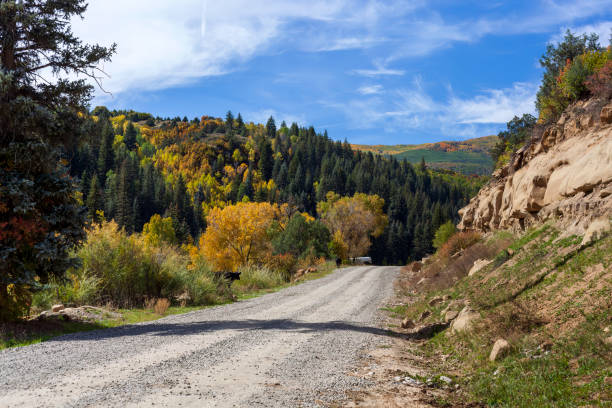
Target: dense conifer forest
(131,166)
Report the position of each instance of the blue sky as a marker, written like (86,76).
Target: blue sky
(375,72)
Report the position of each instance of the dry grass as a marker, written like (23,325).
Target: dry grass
(458,242)
(512,320)
(150,303)
(161,306)
(442,272)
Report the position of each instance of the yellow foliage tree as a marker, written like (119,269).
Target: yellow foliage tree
(237,235)
(353,221)
(159,230)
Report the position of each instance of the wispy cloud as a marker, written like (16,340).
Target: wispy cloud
(602,29)
(494,105)
(163,44)
(370,89)
(378,70)
(415,109)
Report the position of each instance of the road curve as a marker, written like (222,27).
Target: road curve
(291,348)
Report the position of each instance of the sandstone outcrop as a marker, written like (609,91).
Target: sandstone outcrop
(564,172)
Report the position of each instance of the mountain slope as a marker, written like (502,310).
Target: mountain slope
(468,157)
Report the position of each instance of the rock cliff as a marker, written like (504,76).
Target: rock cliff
(564,172)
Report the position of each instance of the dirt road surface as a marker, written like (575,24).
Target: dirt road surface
(292,348)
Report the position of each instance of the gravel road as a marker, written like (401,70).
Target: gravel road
(292,348)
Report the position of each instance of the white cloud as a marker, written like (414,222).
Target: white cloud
(602,29)
(494,105)
(379,70)
(163,44)
(370,89)
(415,109)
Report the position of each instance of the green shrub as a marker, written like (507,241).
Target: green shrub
(301,236)
(121,269)
(15,301)
(443,234)
(199,285)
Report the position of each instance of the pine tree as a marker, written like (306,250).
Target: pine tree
(271,128)
(137,215)
(125,198)
(229,122)
(266,159)
(246,187)
(95,199)
(37,120)
(422,164)
(240,127)
(106,156)
(130,136)
(198,216)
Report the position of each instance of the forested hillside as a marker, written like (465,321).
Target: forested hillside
(469,157)
(132,166)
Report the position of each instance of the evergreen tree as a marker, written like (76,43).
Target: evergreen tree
(246,188)
(198,216)
(266,159)
(125,198)
(130,136)
(137,215)
(271,128)
(95,199)
(229,122)
(422,164)
(240,127)
(106,157)
(37,120)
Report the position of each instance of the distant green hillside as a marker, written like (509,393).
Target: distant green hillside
(467,157)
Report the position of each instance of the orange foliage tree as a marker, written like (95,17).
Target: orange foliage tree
(237,235)
(353,221)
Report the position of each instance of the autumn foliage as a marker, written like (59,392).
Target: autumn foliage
(237,235)
(353,222)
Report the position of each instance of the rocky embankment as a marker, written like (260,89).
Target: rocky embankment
(564,172)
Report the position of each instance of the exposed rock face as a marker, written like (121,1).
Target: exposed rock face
(566,173)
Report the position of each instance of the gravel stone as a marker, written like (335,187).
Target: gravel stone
(294,347)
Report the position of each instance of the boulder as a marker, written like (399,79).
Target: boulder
(435,301)
(450,315)
(428,330)
(606,114)
(407,323)
(425,315)
(57,308)
(596,230)
(464,320)
(500,348)
(478,265)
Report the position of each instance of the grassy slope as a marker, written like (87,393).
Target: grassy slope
(468,157)
(30,332)
(551,301)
